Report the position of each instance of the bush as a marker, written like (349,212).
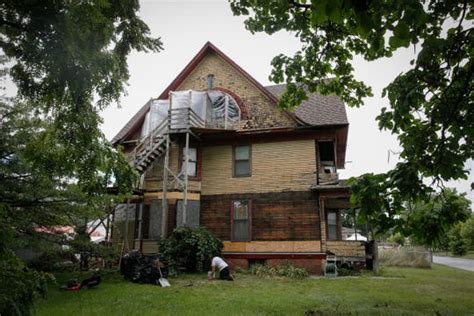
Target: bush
(467,231)
(347,269)
(458,244)
(285,270)
(190,248)
(397,238)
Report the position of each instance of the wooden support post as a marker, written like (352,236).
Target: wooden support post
(126,245)
(140,223)
(185,191)
(164,201)
(107,224)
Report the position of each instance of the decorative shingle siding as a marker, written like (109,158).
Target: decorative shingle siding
(261,113)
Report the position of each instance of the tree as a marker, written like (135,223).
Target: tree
(429,223)
(467,231)
(431,105)
(66,55)
(69,61)
(458,244)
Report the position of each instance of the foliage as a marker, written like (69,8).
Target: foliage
(190,248)
(347,269)
(458,244)
(64,55)
(284,270)
(397,238)
(431,109)
(467,231)
(19,285)
(68,62)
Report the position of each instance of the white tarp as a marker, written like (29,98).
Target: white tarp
(146,125)
(199,104)
(158,113)
(195,100)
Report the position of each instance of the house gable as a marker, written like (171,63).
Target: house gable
(260,105)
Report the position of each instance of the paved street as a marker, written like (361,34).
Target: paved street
(465,264)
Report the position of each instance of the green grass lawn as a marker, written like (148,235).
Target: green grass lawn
(408,291)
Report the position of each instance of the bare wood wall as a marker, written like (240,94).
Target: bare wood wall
(288,216)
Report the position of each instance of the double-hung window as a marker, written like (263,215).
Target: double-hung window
(242,161)
(332,225)
(192,161)
(241,215)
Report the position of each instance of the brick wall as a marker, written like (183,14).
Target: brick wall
(261,112)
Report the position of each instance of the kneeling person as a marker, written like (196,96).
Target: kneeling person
(224,272)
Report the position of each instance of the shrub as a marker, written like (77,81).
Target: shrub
(458,244)
(285,270)
(467,231)
(347,269)
(190,248)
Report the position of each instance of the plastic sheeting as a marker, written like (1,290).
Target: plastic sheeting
(215,108)
(223,105)
(156,114)
(197,101)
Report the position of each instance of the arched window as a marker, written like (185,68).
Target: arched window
(225,110)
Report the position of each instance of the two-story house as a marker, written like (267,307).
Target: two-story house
(214,149)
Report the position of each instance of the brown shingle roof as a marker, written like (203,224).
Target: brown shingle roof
(318,109)
(138,117)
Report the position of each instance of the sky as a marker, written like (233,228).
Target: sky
(185,26)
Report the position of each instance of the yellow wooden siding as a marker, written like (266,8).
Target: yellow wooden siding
(273,246)
(346,248)
(276,166)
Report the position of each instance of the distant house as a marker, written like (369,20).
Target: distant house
(214,149)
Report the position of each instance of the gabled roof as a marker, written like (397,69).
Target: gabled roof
(209,47)
(317,110)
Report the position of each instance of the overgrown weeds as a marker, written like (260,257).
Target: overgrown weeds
(405,257)
(283,270)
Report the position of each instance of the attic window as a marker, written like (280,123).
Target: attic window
(327,157)
(210,81)
(225,110)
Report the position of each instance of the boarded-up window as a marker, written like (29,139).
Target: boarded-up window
(192,161)
(241,220)
(145,222)
(332,224)
(242,161)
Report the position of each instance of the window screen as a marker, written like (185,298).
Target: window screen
(240,220)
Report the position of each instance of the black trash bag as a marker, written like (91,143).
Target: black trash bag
(138,268)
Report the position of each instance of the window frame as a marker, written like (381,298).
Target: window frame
(234,160)
(249,220)
(197,177)
(338,224)
(145,221)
